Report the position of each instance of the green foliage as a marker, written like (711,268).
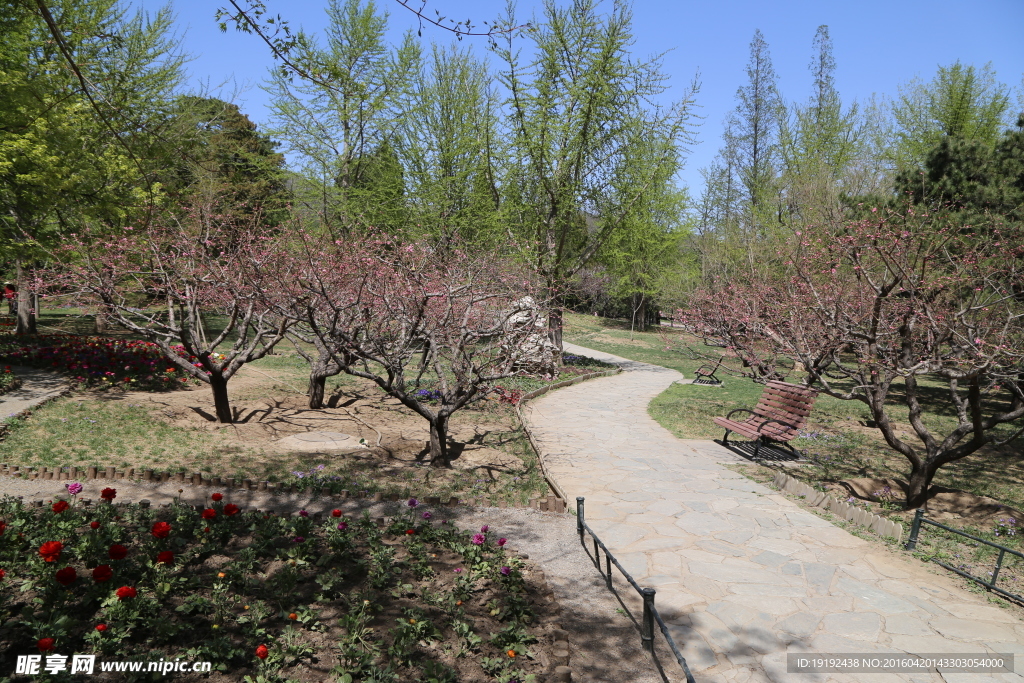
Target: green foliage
(960,102)
(583,166)
(222,158)
(340,127)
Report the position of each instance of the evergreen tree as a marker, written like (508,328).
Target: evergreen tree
(755,127)
(222,155)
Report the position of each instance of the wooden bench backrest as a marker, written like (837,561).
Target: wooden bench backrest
(787,402)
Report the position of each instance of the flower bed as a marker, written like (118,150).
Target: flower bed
(8,380)
(97,361)
(261,595)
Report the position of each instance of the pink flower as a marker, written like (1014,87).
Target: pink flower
(478,539)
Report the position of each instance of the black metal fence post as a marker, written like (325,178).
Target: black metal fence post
(647,624)
(915,529)
(579,517)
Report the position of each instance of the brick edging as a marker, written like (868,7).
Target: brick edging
(112,474)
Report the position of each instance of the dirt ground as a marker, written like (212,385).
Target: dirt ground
(267,413)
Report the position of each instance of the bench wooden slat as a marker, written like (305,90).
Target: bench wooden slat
(787,403)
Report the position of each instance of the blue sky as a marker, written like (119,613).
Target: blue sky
(878,45)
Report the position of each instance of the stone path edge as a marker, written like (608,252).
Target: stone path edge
(533,443)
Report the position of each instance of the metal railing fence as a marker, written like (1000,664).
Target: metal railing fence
(650,614)
(915,530)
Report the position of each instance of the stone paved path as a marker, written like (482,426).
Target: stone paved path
(743,574)
(38,386)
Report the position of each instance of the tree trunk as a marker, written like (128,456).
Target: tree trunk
(920,482)
(221,404)
(555,330)
(439,442)
(26,314)
(316,390)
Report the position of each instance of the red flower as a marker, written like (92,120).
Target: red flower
(335,513)
(261,651)
(102,573)
(66,576)
(161,530)
(94,525)
(50,550)
(118,552)
(2,573)
(209,513)
(217,497)
(126,592)
(231,509)
(45,644)
(60,506)
(165,557)
(410,531)
(101,627)
(3,525)
(108,494)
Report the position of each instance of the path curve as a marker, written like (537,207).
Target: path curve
(744,575)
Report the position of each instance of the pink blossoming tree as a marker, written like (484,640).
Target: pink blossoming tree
(163,283)
(889,302)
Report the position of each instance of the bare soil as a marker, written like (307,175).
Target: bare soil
(397,438)
(944,505)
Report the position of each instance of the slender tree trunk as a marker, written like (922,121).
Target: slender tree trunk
(439,442)
(555,329)
(26,314)
(221,404)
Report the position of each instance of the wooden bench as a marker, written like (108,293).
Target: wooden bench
(778,416)
(705,374)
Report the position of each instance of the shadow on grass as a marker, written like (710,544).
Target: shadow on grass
(768,452)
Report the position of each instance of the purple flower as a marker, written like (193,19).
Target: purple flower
(74,488)
(342,526)
(413,502)
(478,539)
(502,541)
(505,571)
(299,539)
(303,513)
(484,529)
(427,515)
(457,570)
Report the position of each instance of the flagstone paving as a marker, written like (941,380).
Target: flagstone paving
(744,575)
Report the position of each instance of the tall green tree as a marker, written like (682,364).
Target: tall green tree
(340,119)
(576,113)
(961,102)
(755,127)
(819,143)
(450,145)
(84,88)
(221,154)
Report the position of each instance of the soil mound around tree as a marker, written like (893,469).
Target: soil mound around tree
(944,504)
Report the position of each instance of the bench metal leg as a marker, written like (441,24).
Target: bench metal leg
(757,447)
